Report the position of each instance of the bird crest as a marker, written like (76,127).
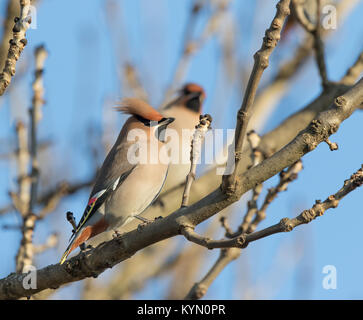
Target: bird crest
(193,88)
(140,108)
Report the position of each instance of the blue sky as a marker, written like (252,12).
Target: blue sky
(87,49)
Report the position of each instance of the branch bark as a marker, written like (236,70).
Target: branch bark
(196,144)
(12,10)
(28,196)
(17,44)
(200,288)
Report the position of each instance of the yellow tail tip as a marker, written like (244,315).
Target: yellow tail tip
(64,257)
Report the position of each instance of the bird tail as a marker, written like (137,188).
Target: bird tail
(66,253)
(80,237)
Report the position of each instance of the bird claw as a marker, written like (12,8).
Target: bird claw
(85,247)
(116,234)
(144,222)
(158,218)
(141,226)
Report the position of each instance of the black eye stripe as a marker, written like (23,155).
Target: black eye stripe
(149,123)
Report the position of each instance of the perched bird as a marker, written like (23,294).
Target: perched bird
(131,176)
(186,109)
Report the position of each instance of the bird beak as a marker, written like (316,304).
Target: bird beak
(201,98)
(192,95)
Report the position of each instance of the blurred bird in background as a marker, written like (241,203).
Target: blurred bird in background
(124,189)
(186,109)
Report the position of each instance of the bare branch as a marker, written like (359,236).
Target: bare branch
(189,233)
(22,198)
(200,288)
(17,45)
(286,224)
(318,209)
(354,71)
(300,7)
(286,177)
(27,200)
(319,48)
(257,156)
(200,130)
(35,115)
(261,57)
(12,10)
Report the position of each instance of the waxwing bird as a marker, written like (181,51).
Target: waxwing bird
(186,109)
(131,176)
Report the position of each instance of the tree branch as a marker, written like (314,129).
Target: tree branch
(35,115)
(200,130)
(286,177)
(25,253)
(354,71)
(200,288)
(261,57)
(17,45)
(12,10)
(315,30)
(229,254)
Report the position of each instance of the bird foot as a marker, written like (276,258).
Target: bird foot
(141,226)
(85,247)
(144,223)
(116,234)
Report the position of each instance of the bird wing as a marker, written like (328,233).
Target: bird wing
(114,171)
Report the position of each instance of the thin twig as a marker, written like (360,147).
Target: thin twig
(286,177)
(25,254)
(319,48)
(196,144)
(17,44)
(257,156)
(318,209)
(315,29)
(189,233)
(354,71)
(51,198)
(35,115)
(22,197)
(285,224)
(261,57)
(200,288)
(12,10)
